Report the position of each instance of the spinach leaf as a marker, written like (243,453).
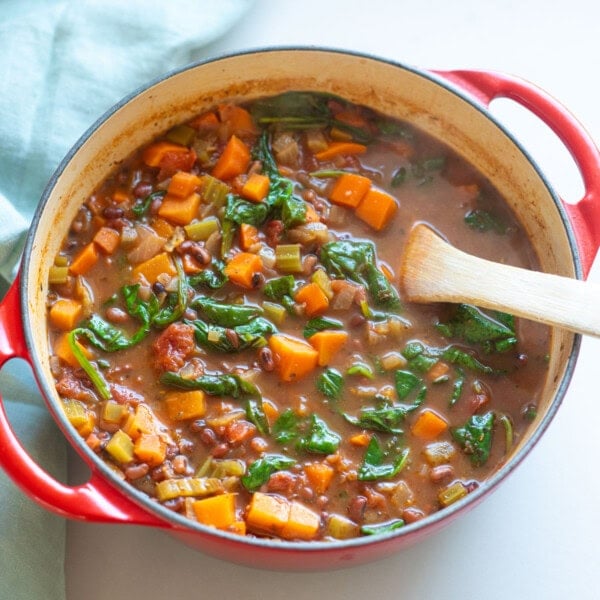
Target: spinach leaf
(216,337)
(373,467)
(212,278)
(140,207)
(361,369)
(226,315)
(293,211)
(293,109)
(330,383)
(320,324)
(405,383)
(255,413)
(286,427)
(494,333)
(177,303)
(483,220)
(475,437)
(91,371)
(239,211)
(281,289)
(381,528)
(214,385)
(384,418)
(459,357)
(357,261)
(319,439)
(262,468)
(457,386)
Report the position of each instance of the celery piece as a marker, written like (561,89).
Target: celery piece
(120,447)
(393,360)
(181,134)
(274,312)
(202,230)
(61,260)
(288,258)
(321,278)
(113,412)
(214,191)
(198,487)
(75,412)
(58,275)
(439,453)
(341,528)
(452,493)
(228,468)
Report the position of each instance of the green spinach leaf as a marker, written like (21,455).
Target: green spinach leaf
(475,437)
(262,468)
(320,439)
(373,467)
(331,383)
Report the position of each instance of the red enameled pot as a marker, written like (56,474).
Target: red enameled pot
(449,105)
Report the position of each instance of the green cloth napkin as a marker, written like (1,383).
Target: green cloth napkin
(62,64)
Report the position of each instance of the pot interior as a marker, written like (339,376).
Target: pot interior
(392,89)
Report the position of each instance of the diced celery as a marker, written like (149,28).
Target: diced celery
(288,258)
(392,360)
(61,260)
(76,412)
(274,312)
(321,278)
(201,230)
(198,487)
(181,134)
(341,528)
(214,191)
(113,412)
(120,447)
(452,493)
(58,275)
(228,468)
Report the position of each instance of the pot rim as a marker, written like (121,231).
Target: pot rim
(181,523)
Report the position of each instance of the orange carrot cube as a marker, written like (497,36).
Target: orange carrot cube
(377,208)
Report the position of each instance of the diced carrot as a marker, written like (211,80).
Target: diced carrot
(65,313)
(238,119)
(311,214)
(319,475)
(142,421)
(360,439)
(150,448)
(120,196)
(190,265)
(183,405)
(439,369)
(155,266)
(238,527)
(179,211)
(271,411)
(350,117)
(233,161)
(327,343)
(302,523)
(107,239)
(207,120)
(256,187)
(428,425)
(314,299)
(216,511)
(86,428)
(294,358)
(163,228)
(62,349)
(340,148)
(377,208)
(242,268)
(182,184)
(248,236)
(85,260)
(237,432)
(267,513)
(154,154)
(349,190)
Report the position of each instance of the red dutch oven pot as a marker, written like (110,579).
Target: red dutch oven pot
(450,105)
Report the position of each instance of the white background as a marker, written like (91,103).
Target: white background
(536,537)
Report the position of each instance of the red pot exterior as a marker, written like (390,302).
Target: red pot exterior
(106,499)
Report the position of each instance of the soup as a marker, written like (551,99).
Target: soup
(227,334)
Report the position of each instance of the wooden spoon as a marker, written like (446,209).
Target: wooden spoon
(434,271)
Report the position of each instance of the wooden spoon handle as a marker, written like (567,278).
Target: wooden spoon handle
(434,271)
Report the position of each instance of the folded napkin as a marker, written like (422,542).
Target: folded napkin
(62,64)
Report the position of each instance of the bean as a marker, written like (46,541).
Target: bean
(180,465)
(113,212)
(175,504)
(233,338)
(116,315)
(308,264)
(265,359)
(158,288)
(356,508)
(441,472)
(219,450)
(410,515)
(356,320)
(142,189)
(258,280)
(155,205)
(136,471)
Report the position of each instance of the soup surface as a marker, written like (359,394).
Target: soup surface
(226,330)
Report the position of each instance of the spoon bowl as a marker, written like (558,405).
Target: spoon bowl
(432,270)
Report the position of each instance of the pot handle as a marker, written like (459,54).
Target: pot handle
(584,216)
(93,501)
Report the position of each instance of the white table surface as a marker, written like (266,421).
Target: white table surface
(537,535)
